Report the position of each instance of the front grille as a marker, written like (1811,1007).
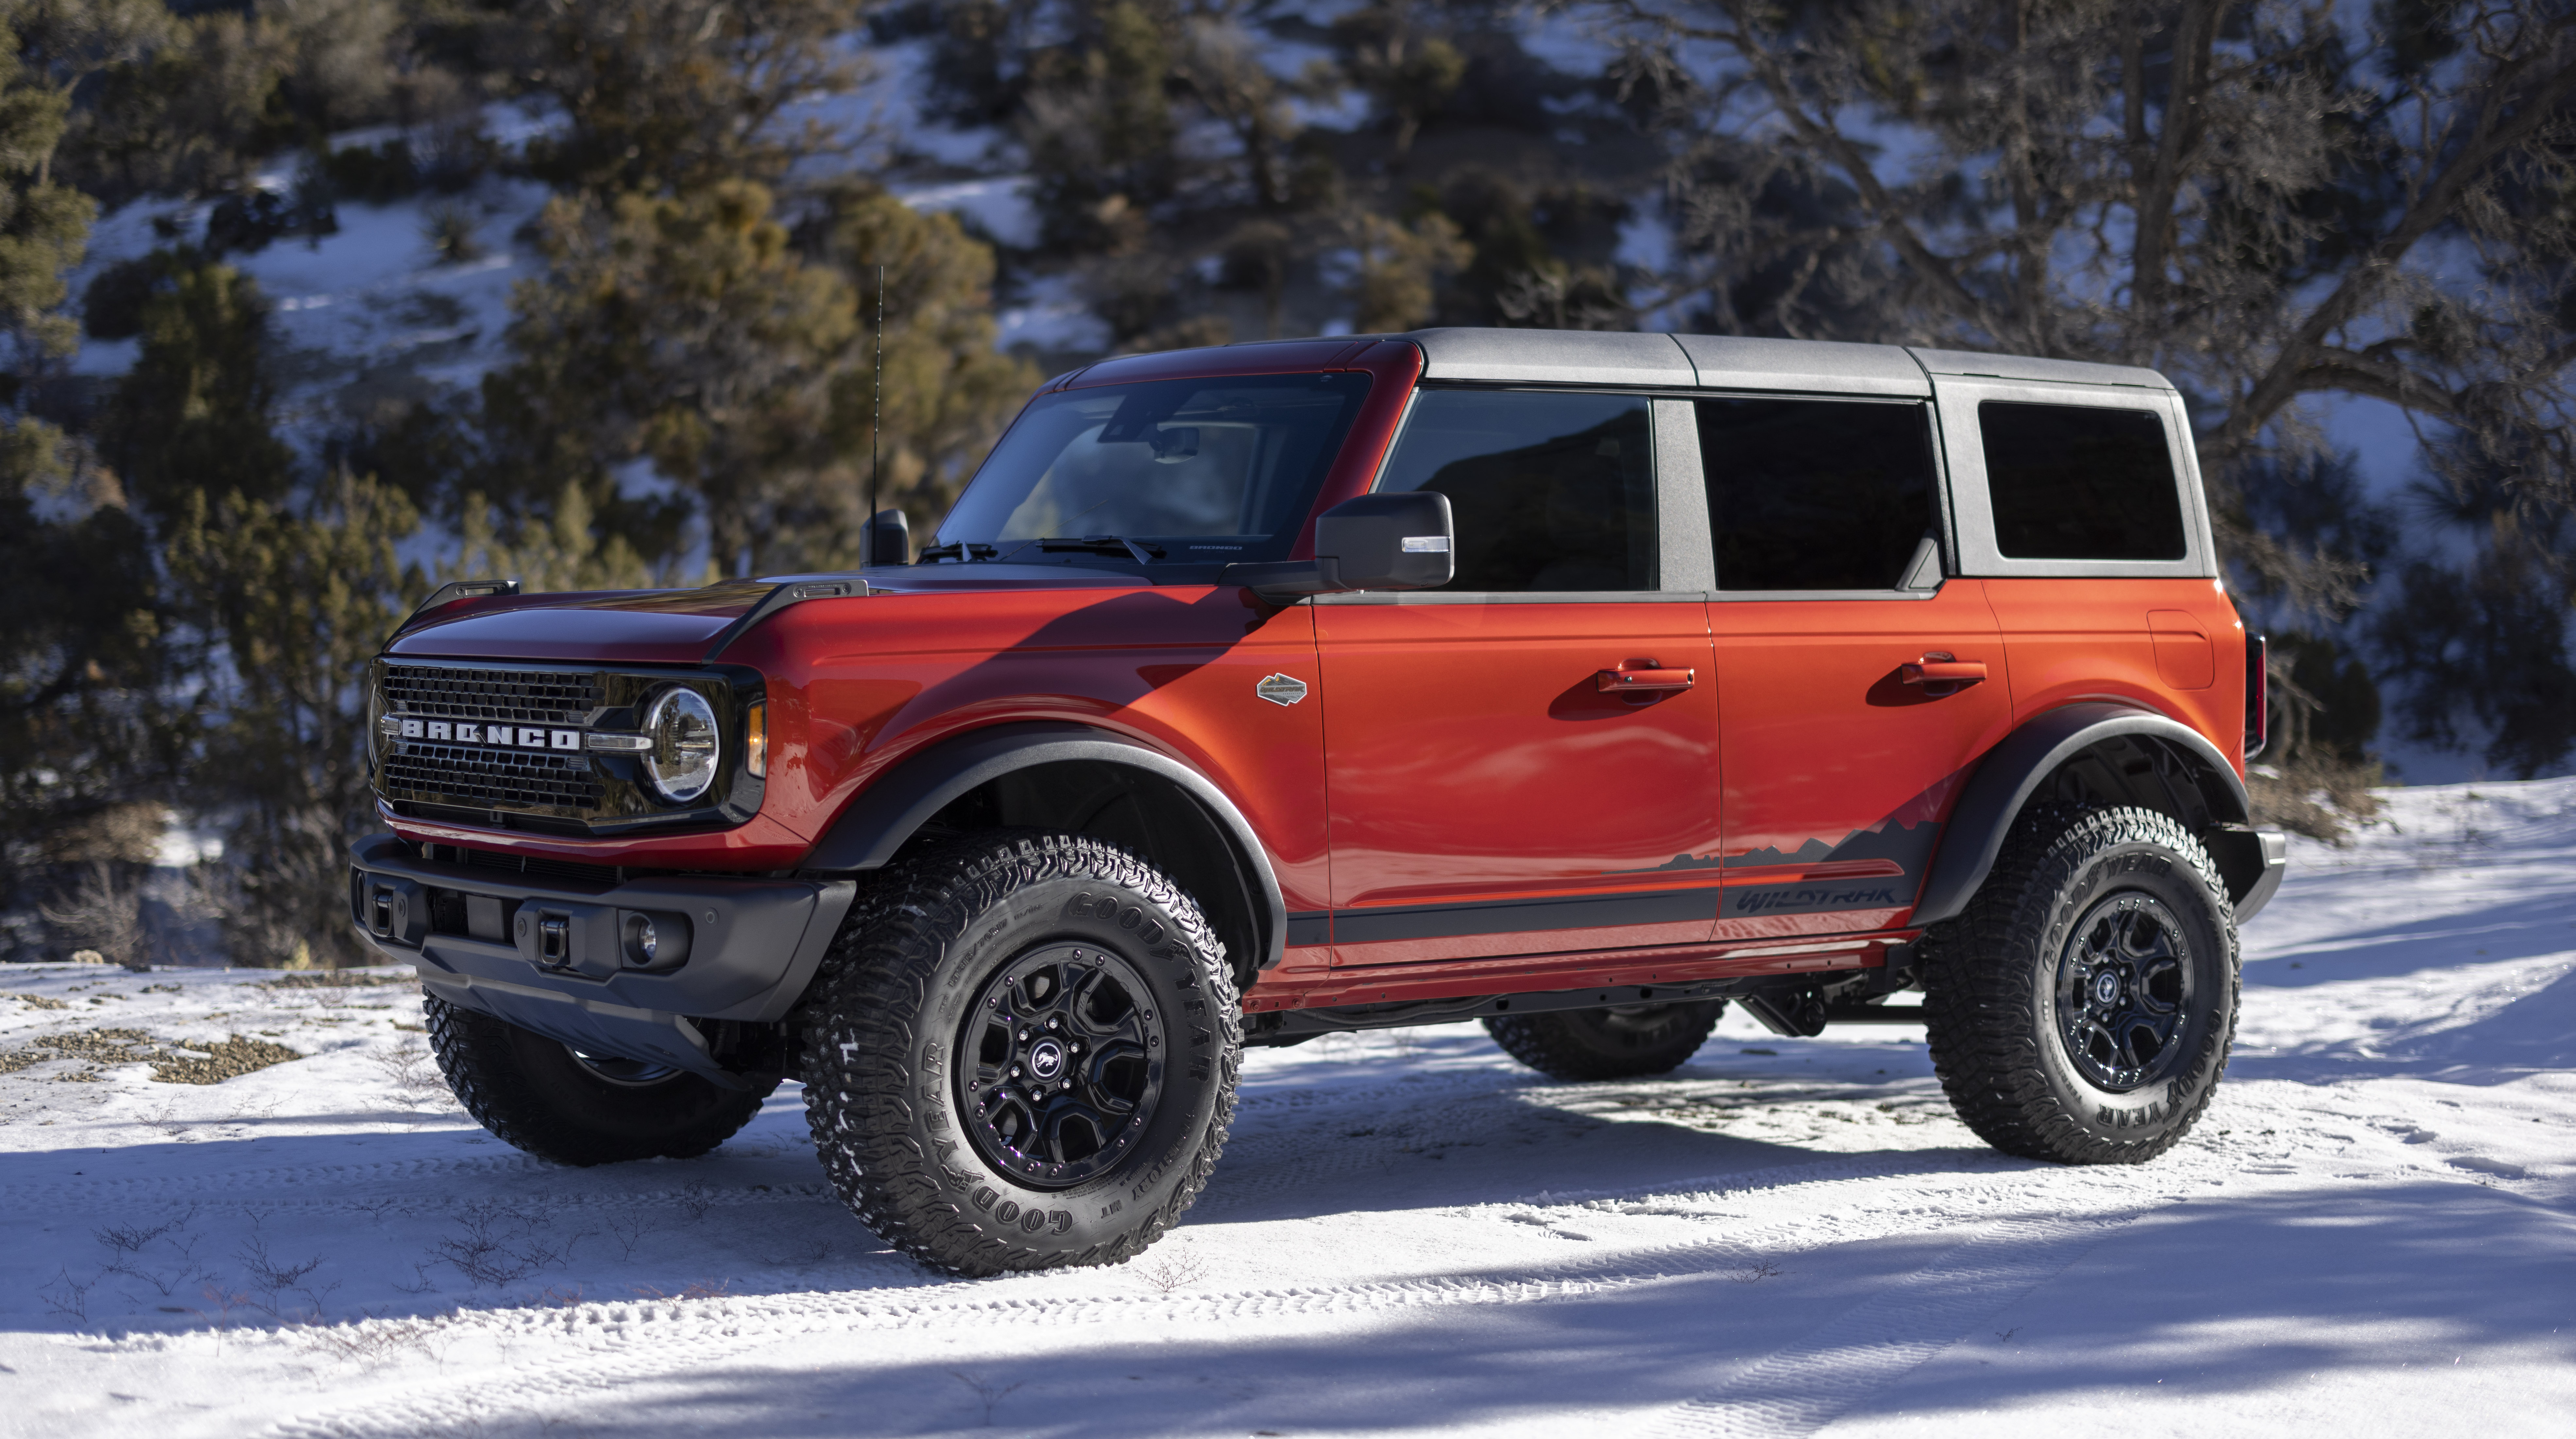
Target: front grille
(536,697)
(515,778)
(461,762)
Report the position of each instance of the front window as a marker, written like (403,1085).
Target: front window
(1175,473)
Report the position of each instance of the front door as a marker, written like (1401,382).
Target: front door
(1524,761)
(1857,685)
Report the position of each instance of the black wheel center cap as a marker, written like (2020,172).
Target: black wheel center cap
(1046,1059)
(2106,988)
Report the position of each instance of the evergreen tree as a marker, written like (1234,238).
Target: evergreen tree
(679,93)
(81,737)
(1100,127)
(685,331)
(284,604)
(193,415)
(945,393)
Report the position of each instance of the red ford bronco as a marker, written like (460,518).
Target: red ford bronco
(1575,683)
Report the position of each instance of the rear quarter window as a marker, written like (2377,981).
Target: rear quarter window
(2080,482)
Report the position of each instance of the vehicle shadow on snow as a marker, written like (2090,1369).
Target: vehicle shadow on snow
(270,1229)
(2217,1297)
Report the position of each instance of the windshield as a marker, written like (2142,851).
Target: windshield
(1176,472)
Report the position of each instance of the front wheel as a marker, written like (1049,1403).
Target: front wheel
(1023,1055)
(558,1103)
(2081,1009)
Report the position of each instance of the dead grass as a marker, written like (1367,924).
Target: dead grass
(2318,795)
(336,979)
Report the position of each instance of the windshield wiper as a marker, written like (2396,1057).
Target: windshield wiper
(1145,554)
(960,551)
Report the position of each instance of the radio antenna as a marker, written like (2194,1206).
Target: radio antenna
(876,429)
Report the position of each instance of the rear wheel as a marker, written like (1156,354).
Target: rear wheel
(1023,1055)
(2082,1008)
(1620,1042)
(557,1103)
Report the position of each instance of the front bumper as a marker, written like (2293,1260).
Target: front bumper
(558,956)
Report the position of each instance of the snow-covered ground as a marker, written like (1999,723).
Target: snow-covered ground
(2373,1231)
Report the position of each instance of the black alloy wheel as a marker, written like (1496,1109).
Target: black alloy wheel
(2124,985)
(1059,1067)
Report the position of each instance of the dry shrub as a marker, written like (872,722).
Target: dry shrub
(102,914)
(117,834)
(2317,795)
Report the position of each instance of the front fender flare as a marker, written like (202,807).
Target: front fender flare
(2014,770)
(894,808)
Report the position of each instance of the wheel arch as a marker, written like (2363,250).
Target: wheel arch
(2100,753)
(1071,777)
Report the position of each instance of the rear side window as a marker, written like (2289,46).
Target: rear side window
(1549,491)
(2075,482)
(1816,494)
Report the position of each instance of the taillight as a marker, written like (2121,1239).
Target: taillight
(2258,697)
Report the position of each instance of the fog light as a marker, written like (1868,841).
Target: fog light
(642,943)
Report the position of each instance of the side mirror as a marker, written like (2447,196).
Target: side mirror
(889,539)
(1400,541)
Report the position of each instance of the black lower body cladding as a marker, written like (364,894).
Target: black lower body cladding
(1023,1055)
(564,957)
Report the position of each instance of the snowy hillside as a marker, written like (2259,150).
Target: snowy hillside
(2373,1231)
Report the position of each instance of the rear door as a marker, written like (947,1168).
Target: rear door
(1858,681)
(1524,761)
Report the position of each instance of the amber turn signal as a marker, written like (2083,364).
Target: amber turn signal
(755,739)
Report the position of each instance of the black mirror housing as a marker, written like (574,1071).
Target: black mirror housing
(889,538)
(1402,541)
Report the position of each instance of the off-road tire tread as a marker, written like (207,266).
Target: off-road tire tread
(473,1050)
(1544,1043)
(1978,985)
(875,981)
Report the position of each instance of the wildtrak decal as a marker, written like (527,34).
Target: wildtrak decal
(1797,899)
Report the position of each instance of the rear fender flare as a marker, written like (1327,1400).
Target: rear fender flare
(2014,772)
(893,809)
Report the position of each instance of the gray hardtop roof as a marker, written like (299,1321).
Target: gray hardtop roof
(1602,357)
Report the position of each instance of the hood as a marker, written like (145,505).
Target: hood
(680,626)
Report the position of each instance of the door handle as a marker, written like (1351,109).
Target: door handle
(1940,674)
(1639,681)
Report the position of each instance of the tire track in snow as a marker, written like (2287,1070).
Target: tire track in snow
(631,1341)
(1801,1388)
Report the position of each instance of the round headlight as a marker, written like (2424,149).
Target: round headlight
(682,762)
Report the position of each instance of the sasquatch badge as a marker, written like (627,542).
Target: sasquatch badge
(1281,690)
